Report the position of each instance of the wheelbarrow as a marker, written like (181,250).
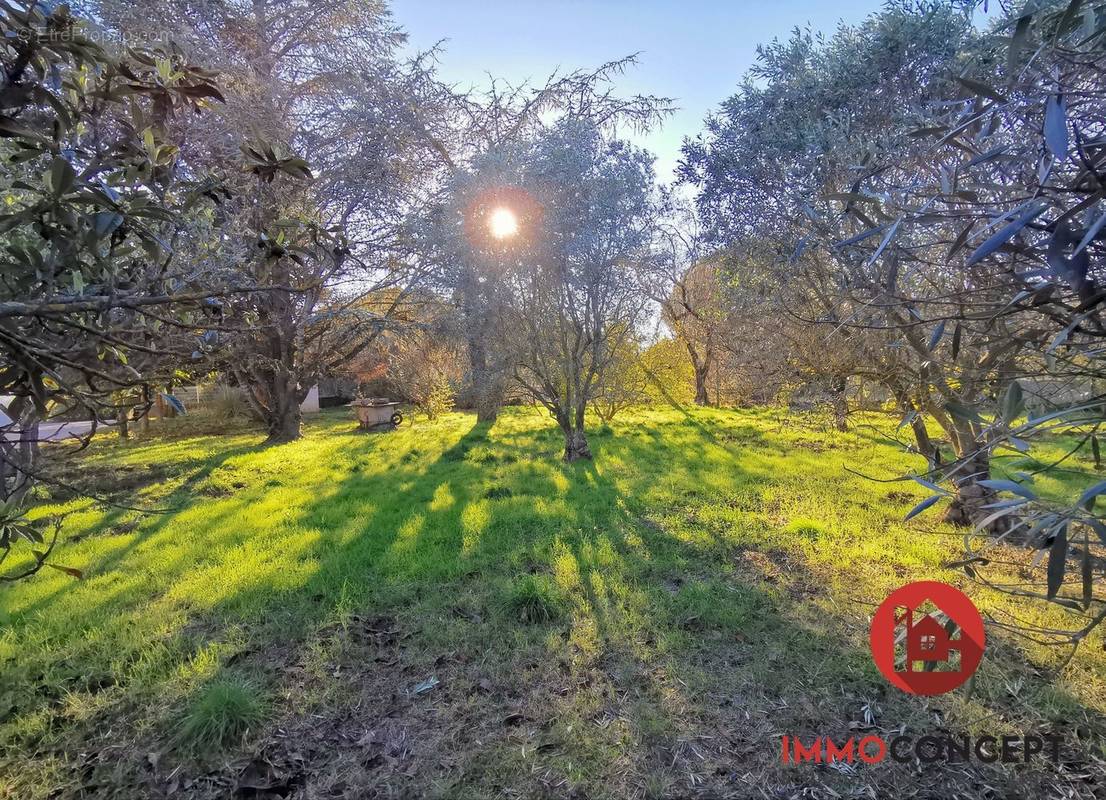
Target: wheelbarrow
(376,414)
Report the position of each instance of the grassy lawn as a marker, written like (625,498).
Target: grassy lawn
(448,610)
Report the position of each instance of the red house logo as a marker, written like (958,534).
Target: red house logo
(927,652)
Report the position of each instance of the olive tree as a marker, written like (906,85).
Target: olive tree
(1004,205)
(777,172)
(964,228)
(574,297)
(685,280)
(478,139)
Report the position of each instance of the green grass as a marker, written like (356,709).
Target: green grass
(534,599)
(448,609)
(223,712)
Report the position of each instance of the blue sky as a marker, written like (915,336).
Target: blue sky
(695,50)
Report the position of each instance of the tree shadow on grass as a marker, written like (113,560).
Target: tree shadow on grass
(717,661)
(177,501)
(678,660)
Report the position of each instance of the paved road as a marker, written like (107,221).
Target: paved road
(60,431)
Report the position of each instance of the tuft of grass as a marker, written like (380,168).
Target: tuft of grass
(805,527)
(481,455)
(221,714)
(534,599)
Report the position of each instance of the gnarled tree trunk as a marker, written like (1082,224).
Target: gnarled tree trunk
(576,445)
(968,503)
(275,397)
(968,507)
(576,441)
(19,454)
(487,386)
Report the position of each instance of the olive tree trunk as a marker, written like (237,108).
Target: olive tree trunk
(968,506)
(971,497)
(19,454)
(576,441)
(840,403)
(924,445)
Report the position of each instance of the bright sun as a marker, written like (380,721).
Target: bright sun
(503,223)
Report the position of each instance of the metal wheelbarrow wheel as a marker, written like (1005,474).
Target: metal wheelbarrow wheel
(397,418)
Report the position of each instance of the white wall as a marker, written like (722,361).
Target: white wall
(310,403)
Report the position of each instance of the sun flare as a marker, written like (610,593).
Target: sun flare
(503,223)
